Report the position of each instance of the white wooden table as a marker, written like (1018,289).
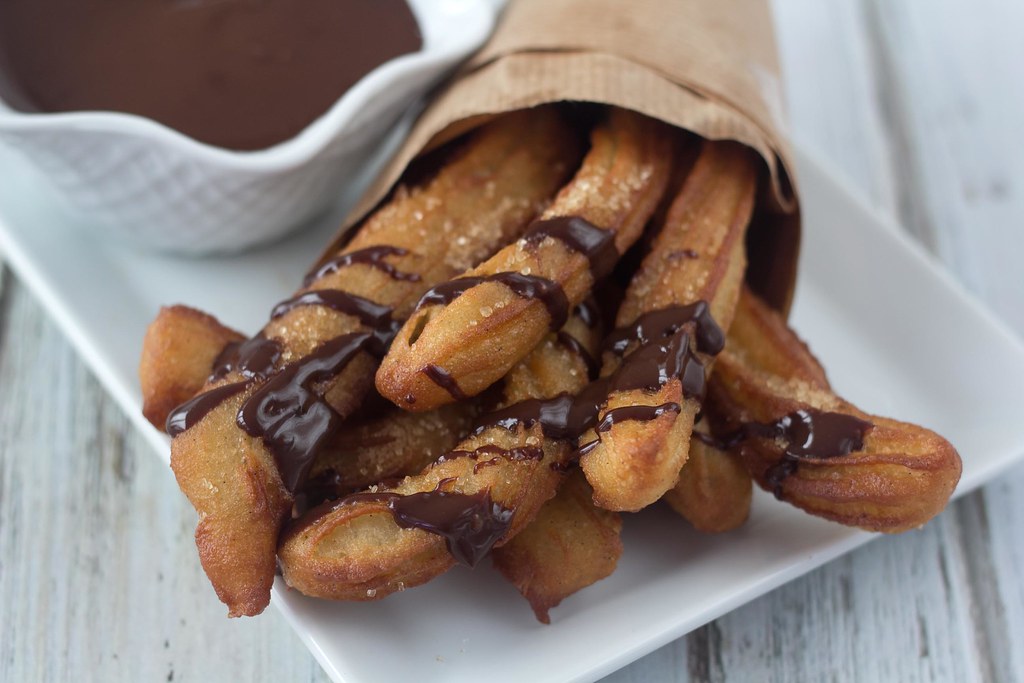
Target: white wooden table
(919,103)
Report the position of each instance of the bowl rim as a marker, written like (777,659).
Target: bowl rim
(451,31)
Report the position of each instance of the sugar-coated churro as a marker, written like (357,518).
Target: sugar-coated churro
(570,545)
(389,538)
(671,322)
(812,448)
(467,333)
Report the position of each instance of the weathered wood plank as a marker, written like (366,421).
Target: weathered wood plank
(832,91)
(98,572)
(951,77)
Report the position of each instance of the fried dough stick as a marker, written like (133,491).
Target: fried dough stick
(178,351)
(498,478)
(633,458)
(394,445)
(570,545)
(812,448)
(480,199)
(714,489)
(476,328)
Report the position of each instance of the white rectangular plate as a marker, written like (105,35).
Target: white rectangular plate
(897,334)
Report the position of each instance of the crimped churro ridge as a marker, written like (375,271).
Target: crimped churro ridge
(698,256)
(358,549)
(475,336)
(862,470)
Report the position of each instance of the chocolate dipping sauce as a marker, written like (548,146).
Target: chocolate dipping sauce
(240,74)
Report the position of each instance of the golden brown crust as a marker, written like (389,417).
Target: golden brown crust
(486,194)
(177,354)
(241,504)
(698,256)
(714,489)
(482,198)
(902,477)
(482,334)
(393,445)
(570,545)
(357,551)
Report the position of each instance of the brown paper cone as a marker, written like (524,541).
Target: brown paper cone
(707,66)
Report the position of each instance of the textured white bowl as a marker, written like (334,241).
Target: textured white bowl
(131,178)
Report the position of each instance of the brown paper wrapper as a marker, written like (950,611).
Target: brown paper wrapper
(708,67)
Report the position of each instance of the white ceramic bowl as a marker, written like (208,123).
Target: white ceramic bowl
(138,180)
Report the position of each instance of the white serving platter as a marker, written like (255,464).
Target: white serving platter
(898,335)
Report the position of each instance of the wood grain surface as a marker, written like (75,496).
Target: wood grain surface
(917,102)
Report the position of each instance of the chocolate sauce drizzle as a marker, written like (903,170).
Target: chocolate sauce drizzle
(526,286)
(470,523)
(497,453)
(444,379)
(809,434)
(635,413)
(665,322)
(289,413)
(664,352)
(581,236)
(253,358)
(370,256)
(369,313)
(191,412)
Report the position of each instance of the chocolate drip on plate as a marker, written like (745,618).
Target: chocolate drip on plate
(525,286)
(581,236)
(253,358)
(191,412)
(370,256)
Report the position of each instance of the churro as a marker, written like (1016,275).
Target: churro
(570,545)
(714,489)
(180,347)
(811,448)
(671,322)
